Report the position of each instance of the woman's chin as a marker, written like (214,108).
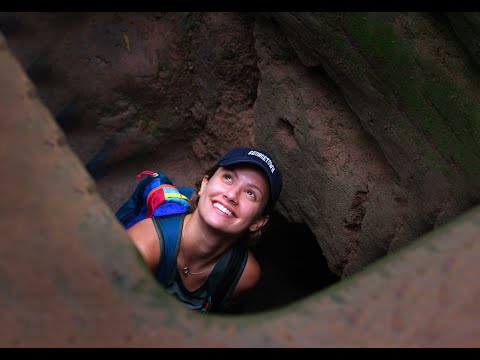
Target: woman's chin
(223,228)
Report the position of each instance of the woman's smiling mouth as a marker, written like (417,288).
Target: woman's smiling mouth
(222,208)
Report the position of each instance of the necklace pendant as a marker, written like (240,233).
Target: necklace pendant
(186,271)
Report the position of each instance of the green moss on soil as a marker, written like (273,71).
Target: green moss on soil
(435,105)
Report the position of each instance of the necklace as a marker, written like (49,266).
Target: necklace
(187,271)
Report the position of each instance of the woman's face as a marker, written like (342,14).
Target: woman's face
(234,198)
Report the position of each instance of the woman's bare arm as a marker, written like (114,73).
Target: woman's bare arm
(249,278)
(145,238)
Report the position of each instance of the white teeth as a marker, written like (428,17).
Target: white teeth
(223,209)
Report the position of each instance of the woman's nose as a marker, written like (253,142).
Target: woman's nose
(232,194)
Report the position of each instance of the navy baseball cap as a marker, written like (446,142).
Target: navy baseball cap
(264,161)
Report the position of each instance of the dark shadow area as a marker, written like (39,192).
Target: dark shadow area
(293,267)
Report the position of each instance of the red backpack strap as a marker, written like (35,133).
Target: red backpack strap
(147,172)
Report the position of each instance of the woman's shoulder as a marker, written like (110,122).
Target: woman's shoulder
(250,276)
(145,225)
(145,238)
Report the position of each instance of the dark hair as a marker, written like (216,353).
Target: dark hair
(250,238)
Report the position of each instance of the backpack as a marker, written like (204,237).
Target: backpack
(156,197)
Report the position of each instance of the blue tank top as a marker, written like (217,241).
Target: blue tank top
(196,299)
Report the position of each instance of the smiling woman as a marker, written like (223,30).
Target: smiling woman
(203,256)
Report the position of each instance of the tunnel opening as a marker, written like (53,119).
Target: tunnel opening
(293,267)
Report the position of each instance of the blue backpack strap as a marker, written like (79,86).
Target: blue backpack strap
(187,191)
(169,230)
(237,255)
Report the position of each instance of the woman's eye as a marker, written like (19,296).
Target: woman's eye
(227,177)
(251,193)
